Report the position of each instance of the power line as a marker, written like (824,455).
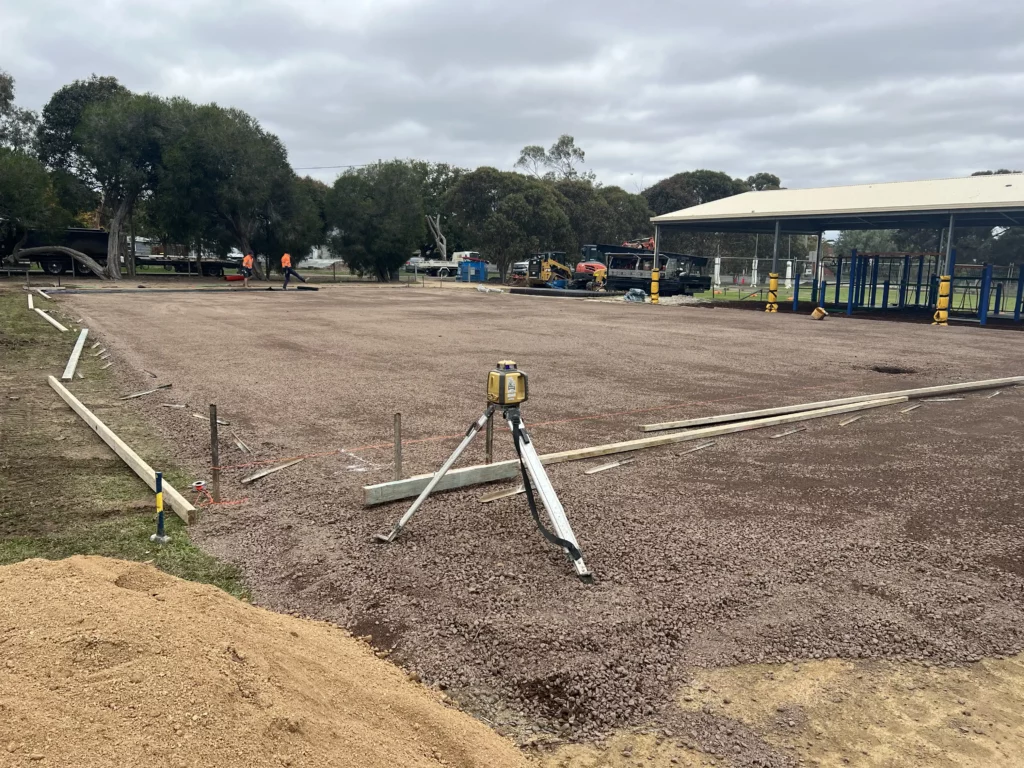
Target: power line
(329,167)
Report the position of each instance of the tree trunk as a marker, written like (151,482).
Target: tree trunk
(78,256)
(117,220)
(130,261)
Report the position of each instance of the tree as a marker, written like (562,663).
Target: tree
(298,222)
(510,215)
(561,160)
(223,180)
(690,188)
(628,215)
(26,198)
(17,126)
(375,217)
(58,146)
(762,181)
(120,141)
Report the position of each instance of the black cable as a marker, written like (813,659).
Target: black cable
(568,546)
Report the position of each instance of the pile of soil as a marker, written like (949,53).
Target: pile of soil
(109,663)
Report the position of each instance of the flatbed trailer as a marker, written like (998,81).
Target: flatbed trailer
(93,243)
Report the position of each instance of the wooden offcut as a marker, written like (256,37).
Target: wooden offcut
(787,433)
(382,493)
(178,503)
(610,465)
(495,495)
(910,394)
(69,369)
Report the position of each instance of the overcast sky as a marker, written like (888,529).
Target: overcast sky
(817,91)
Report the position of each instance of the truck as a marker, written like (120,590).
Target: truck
(432,264)
(630,267)
(93,243)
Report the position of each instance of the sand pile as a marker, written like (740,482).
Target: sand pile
(109,663)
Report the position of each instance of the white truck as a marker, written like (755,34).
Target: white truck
(440,267)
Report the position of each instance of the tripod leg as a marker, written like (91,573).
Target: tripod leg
(541,482)
(470,434)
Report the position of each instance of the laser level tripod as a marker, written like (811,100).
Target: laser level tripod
(507,390)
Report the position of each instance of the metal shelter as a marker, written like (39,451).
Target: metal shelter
(942,204)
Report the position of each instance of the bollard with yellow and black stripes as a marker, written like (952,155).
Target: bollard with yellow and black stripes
(941,316)
(655,277)
(160,537)
(773,293)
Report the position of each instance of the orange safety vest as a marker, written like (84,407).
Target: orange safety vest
(286,261)
(247,261)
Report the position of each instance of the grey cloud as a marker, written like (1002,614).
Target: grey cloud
(817,91)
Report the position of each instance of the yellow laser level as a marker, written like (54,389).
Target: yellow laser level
(506,384)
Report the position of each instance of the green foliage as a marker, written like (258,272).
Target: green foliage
(17,126)
(762,181)
(58,145)
(694,188)
(510,215)
(376,218)
(223,180)
(298,222)
(27,200)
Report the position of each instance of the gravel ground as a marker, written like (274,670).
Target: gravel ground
(897,536)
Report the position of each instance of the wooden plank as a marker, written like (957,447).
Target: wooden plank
(69,369)
(42,293)
(171,405)
(911,408)
(997,392)
(610,465)
(910,394)
(382,493)
(50,320)
(94,345)
(147,392)
(101,352)
(494,496)
(104,367)
(787,433)
(850,420)
(264,472)
(943,400)
(30,304)
(175,500)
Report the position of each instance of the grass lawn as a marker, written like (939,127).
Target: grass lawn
(62,490)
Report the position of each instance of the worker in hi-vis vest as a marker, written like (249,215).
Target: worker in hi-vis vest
(246,269)
(286,268)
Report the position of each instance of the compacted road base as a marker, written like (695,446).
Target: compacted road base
(897,536)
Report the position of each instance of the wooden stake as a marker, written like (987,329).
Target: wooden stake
(911,408)
(176,501)
(610,465)
(264,472)
(147,392)
(997,392)
(850,420)
(494,496)
(215,452)
(398,446)
(787,433)
(503,470)
(698,448)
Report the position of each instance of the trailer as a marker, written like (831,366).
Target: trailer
(93,243)
(631,267)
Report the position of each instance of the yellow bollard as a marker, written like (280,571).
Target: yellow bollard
(941,315)
(655,277)
(773,293)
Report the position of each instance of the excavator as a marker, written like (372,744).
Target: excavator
(546,270)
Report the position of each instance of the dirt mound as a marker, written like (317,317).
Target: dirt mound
(109,663)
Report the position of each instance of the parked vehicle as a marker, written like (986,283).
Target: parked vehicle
(630,267)
(93,243)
